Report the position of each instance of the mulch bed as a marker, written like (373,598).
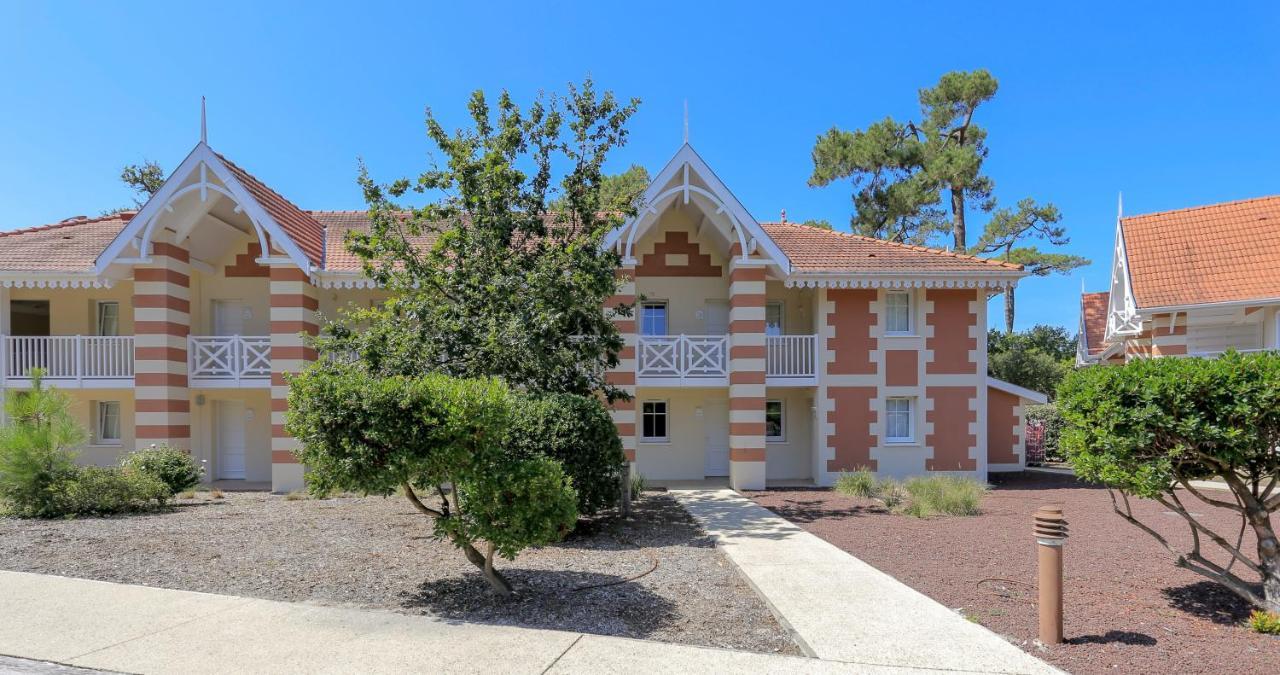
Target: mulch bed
(378,553)
(1128,609)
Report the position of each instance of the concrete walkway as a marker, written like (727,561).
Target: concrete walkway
(840,608)
(1197,484)
(136,629)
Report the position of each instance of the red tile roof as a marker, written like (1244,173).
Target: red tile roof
(1205,254)
(813,249)
(1093,312)
(72,245)
(301,228)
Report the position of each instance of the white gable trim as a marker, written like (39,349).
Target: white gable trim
(1020,392)
(1122,310)
(751,237)
(141,228)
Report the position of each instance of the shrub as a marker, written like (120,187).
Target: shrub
(175,468)
(1267,623)
(36,460)
(99,490)
(860,483)
(952,495)
(1048,415)
(638,486)
(578,432)
(891,493)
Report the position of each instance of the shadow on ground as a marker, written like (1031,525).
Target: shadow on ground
(1209,600)
(1122,636)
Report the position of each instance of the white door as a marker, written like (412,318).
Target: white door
(715,423)
(230,430)
(716,318)
(228,317)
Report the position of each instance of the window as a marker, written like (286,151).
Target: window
(653,318)
(899,421)
(774,421)
(108,318)
(654,421)
(107,426)
(897,311)
(773,316)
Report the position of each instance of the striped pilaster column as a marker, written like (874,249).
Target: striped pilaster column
(293,313)
(162,322)
(746,374)
(624,375)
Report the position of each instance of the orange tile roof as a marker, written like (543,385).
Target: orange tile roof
(301,228)
(72,245)
(813,249)
(1093,312)
(1205,254)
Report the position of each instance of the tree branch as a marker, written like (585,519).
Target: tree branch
(1214,502)
(1178,508)
(417,503)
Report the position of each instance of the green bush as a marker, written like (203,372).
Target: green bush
(36,460)
(578,432)
(1048,415)
(891,493)
(950,495)
(1267,623)
(99,490)
(175,468)
(860,483)
(638,486)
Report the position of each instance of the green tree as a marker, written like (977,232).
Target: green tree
(492,278)
(819,223)
(1151,427)
(956,146)
(1037,359)
(144,179)
(619,191)
(1029,222)
(37,461)
(437,435)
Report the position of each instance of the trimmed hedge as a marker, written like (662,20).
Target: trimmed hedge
(578,432)
(176,468)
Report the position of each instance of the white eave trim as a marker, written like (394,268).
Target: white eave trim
(1020,392)
(29,279)
(1258,302)
(343,280)
(910,280)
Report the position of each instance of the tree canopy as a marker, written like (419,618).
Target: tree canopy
(1037,359)
(144,179)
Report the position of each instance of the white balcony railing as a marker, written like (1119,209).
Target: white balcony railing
(791,355)
(682,356)
(68,358)
(230,358)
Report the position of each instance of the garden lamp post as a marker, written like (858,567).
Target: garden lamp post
(1051,535)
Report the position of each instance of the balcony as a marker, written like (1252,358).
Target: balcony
(229,361)
(703,360)
(69,361)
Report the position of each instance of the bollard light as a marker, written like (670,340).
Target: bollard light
(1051,535)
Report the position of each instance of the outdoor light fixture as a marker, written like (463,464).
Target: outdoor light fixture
(1051,535)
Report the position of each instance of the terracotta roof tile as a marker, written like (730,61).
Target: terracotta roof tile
(336,225)
(1215,253)
(302,228)
(813,249)
(68,246)
(1093,310)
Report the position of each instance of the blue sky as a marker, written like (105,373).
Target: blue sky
(1174,104)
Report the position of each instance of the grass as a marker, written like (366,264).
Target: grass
(949,495)
(860,483)
(1266,623)
(216,493)
(638,486)
(187,494)
(296,495)
(891,493)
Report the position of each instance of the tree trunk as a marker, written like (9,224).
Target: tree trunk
(1268,556)
(497,583)
(1008,310)
(957,214)
(624,503)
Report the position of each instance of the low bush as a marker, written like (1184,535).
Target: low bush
(1266,623)
(860,483)
(99,490)
(638,486)
(578,432)
(1048,416)
(175,468)
(950,495)
(891,493)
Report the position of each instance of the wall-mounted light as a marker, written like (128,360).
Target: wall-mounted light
(697,412)
(199,399)
(248,414)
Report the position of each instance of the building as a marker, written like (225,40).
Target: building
(1189,282)
(759,351)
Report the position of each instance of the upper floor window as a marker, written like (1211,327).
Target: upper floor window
(653,318)
(897,312)
(773,318)
(899,420)
(108,319)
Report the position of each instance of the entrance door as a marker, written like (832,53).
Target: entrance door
(716,318)
(715,423)
(228,317)
(230,430)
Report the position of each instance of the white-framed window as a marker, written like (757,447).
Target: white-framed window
(108,318)
(900,422)
(774,316)
(654,422)
(897,312)
(106,423)
(775,421)
(653,318)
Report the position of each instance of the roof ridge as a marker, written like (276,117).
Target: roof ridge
(913,247)
(67,223)
(1185,209)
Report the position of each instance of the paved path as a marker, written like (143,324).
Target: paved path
(840,608)
(1198,484)
(137,629)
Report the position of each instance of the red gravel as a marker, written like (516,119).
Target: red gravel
(1128,609)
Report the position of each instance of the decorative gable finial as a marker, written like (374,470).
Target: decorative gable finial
(784,215)
(1119,205)
(204,129)
(686,121)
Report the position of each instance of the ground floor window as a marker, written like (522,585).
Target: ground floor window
(107,423)
(899,420)
(653,421)
(774,421)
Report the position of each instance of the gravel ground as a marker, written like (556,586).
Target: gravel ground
(1128,609)
(378,553)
